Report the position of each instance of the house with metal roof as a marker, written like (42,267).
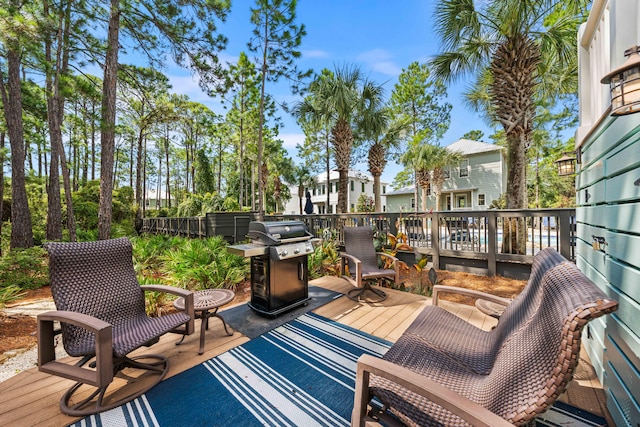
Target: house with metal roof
(479,178)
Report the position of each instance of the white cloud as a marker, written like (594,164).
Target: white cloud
(291,139)
(315,54)
(380,61)
(187,85)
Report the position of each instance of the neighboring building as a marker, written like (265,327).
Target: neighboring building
(479,178)
(608,204)
(359,183)
(155,200)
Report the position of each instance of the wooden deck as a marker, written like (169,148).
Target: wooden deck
(31,398)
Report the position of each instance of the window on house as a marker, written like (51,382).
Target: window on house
(323,189)
(464,167)
(446,172)
(362,187)
(353,208)
(481,200)
(330,209)
(428,189)
(314,191)
(331,187)
(384,208)
(413,203)
(352,186)
(384,189)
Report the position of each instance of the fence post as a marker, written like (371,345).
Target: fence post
(564,224)
(435,240)
(492,225)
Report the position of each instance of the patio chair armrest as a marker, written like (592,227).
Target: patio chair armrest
(469,292)
(188,303)
(459,405)
(103,331)
(358,264)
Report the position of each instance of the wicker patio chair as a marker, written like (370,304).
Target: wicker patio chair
(425,385)
(472,346)
(101,308)
(362,259)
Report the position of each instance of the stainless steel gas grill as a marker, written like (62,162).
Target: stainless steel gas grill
(279,267)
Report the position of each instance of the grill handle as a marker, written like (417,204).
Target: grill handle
(255,234)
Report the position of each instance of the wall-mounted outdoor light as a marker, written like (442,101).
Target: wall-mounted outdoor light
(624,83)
(566,164)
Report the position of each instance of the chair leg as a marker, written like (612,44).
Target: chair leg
(358,294)
(158,367)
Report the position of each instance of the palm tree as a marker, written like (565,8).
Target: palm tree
(521,50)
(355,101)
(385,137)
(525,46)
(429,161)
(313,112)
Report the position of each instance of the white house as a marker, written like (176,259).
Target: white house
(479,178)
(608,199)
(359,183)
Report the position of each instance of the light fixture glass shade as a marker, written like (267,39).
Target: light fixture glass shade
(624,83)
(566,165)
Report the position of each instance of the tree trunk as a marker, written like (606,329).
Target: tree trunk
(93,140)
(342,139)
(108,124)
(168,184)
(55,107)
(138,186)
(2,138)
(328,159)
(21,228)
(376,193)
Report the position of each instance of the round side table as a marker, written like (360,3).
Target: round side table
(206,304)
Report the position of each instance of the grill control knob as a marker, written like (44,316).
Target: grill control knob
(284,253)
(296,251)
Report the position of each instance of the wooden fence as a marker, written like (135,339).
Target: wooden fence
(469,240)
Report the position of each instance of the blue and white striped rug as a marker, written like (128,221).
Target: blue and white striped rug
(299,374)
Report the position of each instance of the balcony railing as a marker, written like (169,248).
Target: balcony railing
(488,242)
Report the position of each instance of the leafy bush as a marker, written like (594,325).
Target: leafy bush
(149,253)
(205,263)
(24,268)
(325,259)
(156,303)
(10,293)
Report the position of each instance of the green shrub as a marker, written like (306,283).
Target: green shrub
(156,303)
(205,263)
(150,252)
(24,268)
(325,259)
(10,293)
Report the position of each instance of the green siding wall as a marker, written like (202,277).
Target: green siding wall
(608,198)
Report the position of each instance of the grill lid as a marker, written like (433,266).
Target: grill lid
(277,232)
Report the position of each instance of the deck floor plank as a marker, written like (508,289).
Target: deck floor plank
(32,398)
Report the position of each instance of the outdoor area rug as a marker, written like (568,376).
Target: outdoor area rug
(251,324)
(299,374)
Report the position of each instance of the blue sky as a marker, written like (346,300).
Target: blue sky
(380,36)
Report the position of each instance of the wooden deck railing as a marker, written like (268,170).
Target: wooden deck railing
(467,240)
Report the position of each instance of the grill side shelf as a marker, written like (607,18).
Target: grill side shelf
(248,250)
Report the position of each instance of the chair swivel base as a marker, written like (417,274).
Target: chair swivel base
(358,294)
(94,403)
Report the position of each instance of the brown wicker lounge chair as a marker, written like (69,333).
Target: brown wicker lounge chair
(101,308)
(362,259)
(507,376)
